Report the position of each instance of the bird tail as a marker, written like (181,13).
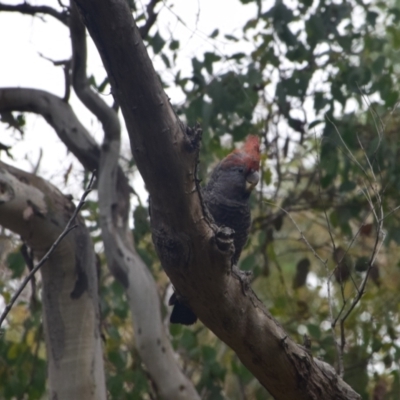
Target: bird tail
(181,313)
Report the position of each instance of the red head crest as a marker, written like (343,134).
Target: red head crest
(248,155)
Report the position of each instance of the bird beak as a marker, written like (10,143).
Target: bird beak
(251,180)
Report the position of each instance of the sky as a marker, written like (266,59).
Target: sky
(27,44)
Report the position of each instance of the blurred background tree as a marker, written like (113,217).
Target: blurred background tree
(318,82)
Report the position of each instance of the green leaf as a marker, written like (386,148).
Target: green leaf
(188,339)
(280,13)
(267,176)
(378,65)
(298,53)
(232,38)
(315,123)
(197,75)
(248,262)
(209,354)
(372,16)
(251,23)
(115,384)
(214,33)
(306,3)
(209,59)
(166,60)
(16,263)
(116,358)
(395,36)
(347,186)
(314,331)
(362,264)
(157,42)
(237,56)
(174,45)
(315,30)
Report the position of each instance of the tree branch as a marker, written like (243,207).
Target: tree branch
(106,115)
(59,115)
(26,8)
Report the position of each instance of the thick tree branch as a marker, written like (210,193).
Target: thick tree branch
(59,115)
(106,115)
(194,253)
(38,212)
(151,340)
(26,8)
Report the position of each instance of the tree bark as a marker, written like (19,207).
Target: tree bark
(195,253)
(36,210)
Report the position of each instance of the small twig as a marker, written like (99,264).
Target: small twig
(376,210)
(68,228)
(350,245)
(390,213)
(325,263)
(328,280)
(281,278)
(316,255)
(66,64)
(380,130)
(25,8)
(361,289)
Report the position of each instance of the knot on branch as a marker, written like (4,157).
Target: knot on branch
(193,138)
(173,248)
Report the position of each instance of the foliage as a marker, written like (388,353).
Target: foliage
(320,86)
